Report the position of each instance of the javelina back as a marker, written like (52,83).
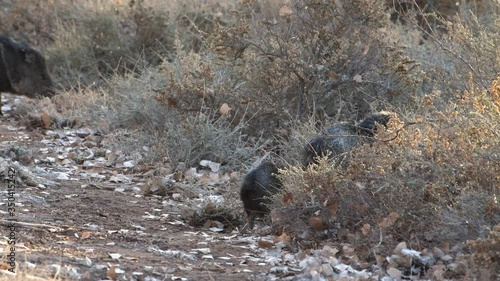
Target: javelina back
(258,185)
(341,138)
(23,70)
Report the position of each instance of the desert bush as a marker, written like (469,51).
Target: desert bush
(290,144)
(208,137)
(157,28)
(28,21)
(86,49)
(136,113)
(421,187)
(464,43)
(316,57)
(98,39)
(485,256)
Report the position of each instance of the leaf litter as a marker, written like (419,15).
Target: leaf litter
(112,222)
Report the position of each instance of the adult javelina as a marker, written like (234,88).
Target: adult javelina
(343,137)
(258,185)
(23,70)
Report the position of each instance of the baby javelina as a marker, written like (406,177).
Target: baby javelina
(259,184)
(343,137)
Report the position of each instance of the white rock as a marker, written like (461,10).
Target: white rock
(410,253)
(202,250)
(279,269)
(129,164)
(114,256)
(394,273)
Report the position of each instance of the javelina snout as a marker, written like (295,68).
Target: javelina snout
(258,185)
(23,70)
(342,138)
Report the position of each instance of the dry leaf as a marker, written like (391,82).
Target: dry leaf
(205,179)
(367,48)
(389,220)
(178,176)
(394,273)
(333,206)
(428,101)
(171,102)
(358,78)
(284,237)
(366,229)
(4,266)
(332,75)
(46,120)
(287,197)
(224,109)
(265,244)
(285,11)
(317,223)
(112,273)
(85,235)
(400,247)
(380,259)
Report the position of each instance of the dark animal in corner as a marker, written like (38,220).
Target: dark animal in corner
(342,138)
(258,185)
(23,70)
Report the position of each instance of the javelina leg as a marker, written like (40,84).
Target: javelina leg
(250,221)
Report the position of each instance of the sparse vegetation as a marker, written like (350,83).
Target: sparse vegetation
(179,82)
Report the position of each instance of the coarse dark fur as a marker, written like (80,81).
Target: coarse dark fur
(23,70)
(342,138)
(258,185)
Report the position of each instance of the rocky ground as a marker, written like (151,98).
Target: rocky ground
(84,212)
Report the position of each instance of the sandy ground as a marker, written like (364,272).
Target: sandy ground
(90,229)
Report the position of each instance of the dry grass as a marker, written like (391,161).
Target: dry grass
(154,74)
(485,255)
(428,176)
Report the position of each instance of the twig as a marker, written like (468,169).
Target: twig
(432,34)
(381,239)
(28,224)
(399,130)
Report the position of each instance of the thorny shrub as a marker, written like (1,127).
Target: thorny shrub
(88,48)
(87,40)
(465,42)
(28,21)
(166,72)
(484,260)
(195,81)
(323,58)
(134,105)
(436,181)
(207,137)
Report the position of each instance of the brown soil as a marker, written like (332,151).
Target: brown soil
(79,223)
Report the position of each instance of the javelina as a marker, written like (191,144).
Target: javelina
(343,137)
(23,70)
(258,185)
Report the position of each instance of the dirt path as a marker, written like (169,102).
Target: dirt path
(92,229)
